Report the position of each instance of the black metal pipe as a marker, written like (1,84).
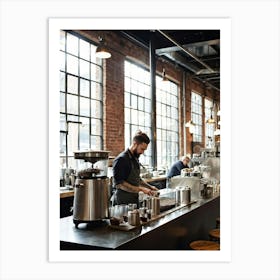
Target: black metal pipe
(153,99)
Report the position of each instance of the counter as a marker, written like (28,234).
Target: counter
(173,231)
(66,193)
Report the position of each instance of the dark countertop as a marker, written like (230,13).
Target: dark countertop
(104,237)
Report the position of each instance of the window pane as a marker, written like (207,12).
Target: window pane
(147,120)
(96,91)
(72,84)
(62,102)
(127,135)
(133,101)
(84,107)
(62,81)
(84,49)
(95,108)
(148,105)
(72,104)
(96,142)
(72,44)
(72,138)
(84,87)
(134,117)
(62,122)
(96,127)
(62,40)
(127,115)
(62,61)
(62,150)
(84,69)
(141,103)
(127,84)
(127,100)
(72,64)
(96,73)
(141,118)
(84,133)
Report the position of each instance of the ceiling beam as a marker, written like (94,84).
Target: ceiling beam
(197,44)
(186,51)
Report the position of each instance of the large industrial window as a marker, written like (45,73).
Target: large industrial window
(138,113)
(209,127)
(81,101)
(196,111)
(137,105)
(167,122)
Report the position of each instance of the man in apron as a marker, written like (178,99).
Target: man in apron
(126,172)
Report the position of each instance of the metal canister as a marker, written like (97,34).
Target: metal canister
(185,195)
(134,217)
(155,206)
(178,196)
(189,190)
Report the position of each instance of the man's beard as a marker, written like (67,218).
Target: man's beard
(136,154)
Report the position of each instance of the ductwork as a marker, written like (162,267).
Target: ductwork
(187,51)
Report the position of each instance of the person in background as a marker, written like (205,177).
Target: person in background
(175,170)
(126,172)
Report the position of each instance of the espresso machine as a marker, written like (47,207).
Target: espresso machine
(91,188)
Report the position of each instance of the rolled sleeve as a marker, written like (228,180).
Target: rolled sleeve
(121,170)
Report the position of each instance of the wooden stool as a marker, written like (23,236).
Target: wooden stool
(218,222)
(214,234)
(204,245)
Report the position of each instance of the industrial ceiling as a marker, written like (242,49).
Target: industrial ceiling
(196,51)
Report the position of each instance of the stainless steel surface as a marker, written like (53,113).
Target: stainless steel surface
(185,195)
(192,182)
(134,218)
(91,199)
(155,205)
(91,163)
(214,164)
(178,196)
(91,155)
(207,192)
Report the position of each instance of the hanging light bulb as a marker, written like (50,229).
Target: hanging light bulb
(191,126)
(101,50)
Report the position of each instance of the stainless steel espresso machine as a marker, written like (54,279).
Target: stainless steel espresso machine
(91,189)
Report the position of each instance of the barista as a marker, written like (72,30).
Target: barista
(126,172)
(175,170)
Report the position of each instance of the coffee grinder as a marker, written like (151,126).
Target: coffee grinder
(91,189)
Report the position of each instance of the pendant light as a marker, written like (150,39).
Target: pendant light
(101,50)
(191,126)
(211,120)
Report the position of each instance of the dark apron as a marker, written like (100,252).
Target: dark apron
(123,197)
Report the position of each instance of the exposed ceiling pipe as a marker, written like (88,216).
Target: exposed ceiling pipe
(186,51)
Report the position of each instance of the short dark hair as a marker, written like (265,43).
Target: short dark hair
(141,137)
